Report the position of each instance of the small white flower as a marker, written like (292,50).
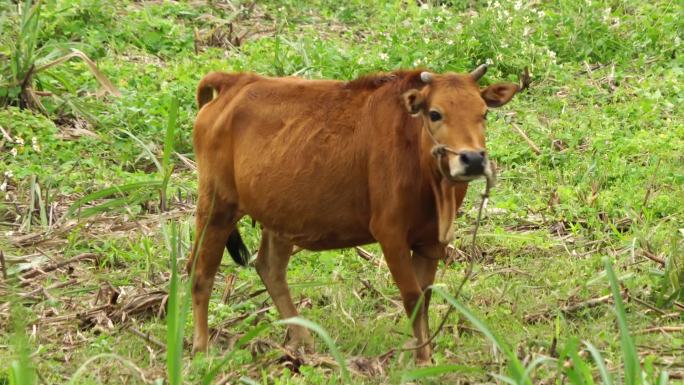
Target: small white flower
(450,42)
(552,55)
(384,56)
(588,2)
(458,27)
(504,45)
(489,61)
(677,41)
(361,61)
(425,6)
(526,31)
(3,186)
(606,15)
(439,19)
(18,140)
(517,5)
(417,62)
(35,145)
(9,174)
(13,151)
(496,4)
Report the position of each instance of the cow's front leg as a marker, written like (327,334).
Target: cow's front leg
(425,262)
(398,257)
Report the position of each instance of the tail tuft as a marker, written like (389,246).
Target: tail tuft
(237,249)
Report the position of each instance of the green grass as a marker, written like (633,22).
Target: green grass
(97,173)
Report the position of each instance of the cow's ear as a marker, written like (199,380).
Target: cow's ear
(499,94)
(414,101)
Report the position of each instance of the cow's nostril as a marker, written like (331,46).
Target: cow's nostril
(464,159)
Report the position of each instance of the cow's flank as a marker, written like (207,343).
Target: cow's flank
(326,164)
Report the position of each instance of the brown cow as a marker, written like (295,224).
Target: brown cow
(327,164)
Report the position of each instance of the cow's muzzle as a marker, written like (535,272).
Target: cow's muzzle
(468,165)
(461,166)
(473,162)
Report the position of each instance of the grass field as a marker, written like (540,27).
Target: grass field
(98,190)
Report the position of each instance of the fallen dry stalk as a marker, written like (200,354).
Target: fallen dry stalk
(101,78)
(529,141)
(587,304)
(363,253)
(147,337)
(38,272)
(3,265)
(654,258)
(662,329)
(51,287)
(568,309)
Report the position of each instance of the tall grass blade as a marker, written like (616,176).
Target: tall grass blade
(326,338)
(150,153)
(664,378)
(170,133)
(606,378)
(629,354)
(536,362)
(26,41)
(106,84)
(174,327)
(111,357)
(106,192)
(580,370)
(21,370)
(515,367)
(41,206)
(166,167)
(253,333)
(505,379)
(420,373)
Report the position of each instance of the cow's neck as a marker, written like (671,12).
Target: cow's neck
(443,191)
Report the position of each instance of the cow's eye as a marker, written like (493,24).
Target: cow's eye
(435,116)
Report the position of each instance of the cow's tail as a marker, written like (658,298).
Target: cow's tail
(212,84)
(237,249)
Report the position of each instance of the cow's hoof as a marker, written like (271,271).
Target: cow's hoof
(199,347)
(423,361)
(300,343)
(423,356)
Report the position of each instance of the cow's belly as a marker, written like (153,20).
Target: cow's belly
(311,218)
(317,203)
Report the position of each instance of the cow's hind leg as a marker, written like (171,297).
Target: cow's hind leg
(271,264)
(215,220)
(425,260)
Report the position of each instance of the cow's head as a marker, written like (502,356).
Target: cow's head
(454,108)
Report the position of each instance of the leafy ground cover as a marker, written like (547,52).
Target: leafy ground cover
(98,186)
